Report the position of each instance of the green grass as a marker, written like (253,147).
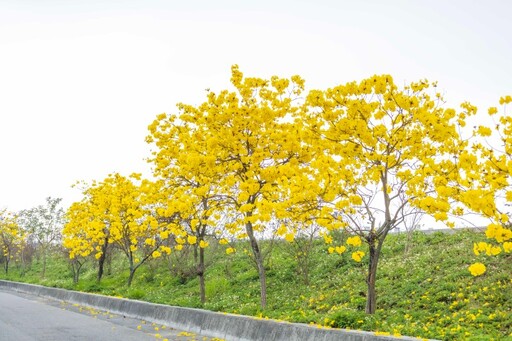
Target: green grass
(426,293)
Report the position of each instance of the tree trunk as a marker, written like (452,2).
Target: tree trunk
(101,263)
(73,271)
(101,260)
(200,273)
(76,266)
(374,246)
(44,266)
(130,278)
(44,262)
(132,269)
(258,257)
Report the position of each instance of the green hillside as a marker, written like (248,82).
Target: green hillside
(425,291)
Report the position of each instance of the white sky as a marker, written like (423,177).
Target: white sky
(80,81)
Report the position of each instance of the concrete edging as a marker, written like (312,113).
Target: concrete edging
(208,323)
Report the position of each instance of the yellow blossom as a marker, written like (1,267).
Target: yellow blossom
(340,249)
(354,241)
(289,237)
(358,255)
(477,269)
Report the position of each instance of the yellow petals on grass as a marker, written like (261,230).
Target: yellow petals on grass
(358,255)
(186,334)
(477,269)
(338,249)
(488,249)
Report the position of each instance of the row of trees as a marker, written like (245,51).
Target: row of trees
(35,231)
(268,160)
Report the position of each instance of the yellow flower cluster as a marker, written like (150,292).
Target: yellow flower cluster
(358,256)
(11,235)
(498,232)
(477,269)
(488,249)
(338,249)
(354,241)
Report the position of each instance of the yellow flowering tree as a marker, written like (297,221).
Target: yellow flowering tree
(75,238)
(11,238)
(85,232)
(188,184)
(247,153)
(486,183)
(116,211)
(384,150)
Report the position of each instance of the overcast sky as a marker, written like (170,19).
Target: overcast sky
(80,81)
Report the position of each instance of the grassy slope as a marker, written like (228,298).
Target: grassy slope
(425,293)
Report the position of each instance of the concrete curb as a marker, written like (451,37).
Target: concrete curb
(207,323)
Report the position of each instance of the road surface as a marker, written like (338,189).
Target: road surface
(30,318)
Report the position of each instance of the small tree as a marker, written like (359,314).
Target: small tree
(300,241)
(43,225)
(11,238)
(83,235)
(77,246)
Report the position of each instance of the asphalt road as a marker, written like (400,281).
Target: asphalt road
(30,318)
